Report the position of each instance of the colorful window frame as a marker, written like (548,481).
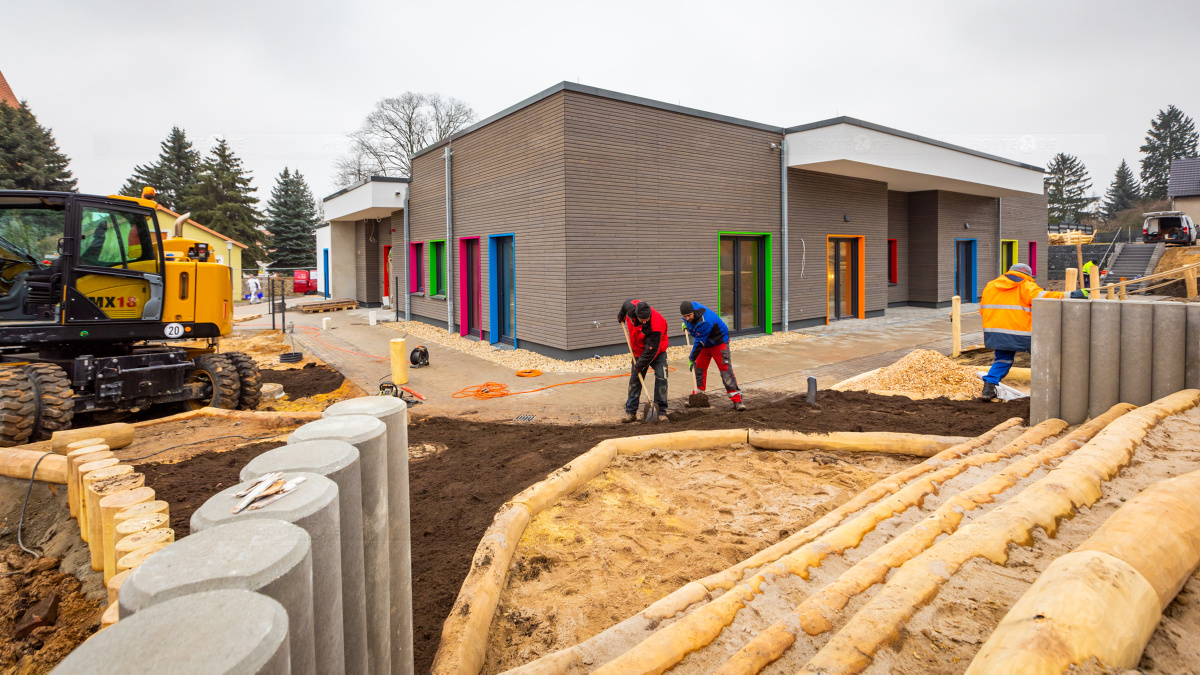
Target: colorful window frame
(437,268)
(416,267)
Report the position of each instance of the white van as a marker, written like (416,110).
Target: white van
(1172,227)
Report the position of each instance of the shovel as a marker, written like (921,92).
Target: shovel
(650,412)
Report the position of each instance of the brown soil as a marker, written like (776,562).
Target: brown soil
(78,615)
(454,465)
(188,484)
(663,519)
(307,381)
(983,358)
(699,400)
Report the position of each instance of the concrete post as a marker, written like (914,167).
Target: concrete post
(223,632)
(369,436)
(1076,355)
(393,412)
(1046,360)
(313,507)
(1137,344)
(270,557)
(1105,371)
(1169,352)
(338,462)
(1191,375)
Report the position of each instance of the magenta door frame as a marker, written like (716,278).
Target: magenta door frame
(463,289)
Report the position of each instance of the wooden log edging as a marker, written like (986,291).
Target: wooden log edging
(1075,482)
(463,645)
(1132,568)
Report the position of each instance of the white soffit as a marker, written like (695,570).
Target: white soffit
(907,164)
(371,199)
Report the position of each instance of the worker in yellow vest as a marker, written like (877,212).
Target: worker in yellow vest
(1086,281)
(1007,311)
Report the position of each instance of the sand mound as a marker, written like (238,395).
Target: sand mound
(923,374)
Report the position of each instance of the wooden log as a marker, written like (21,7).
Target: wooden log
(1094,282)
(109,506)
(1189,282)
(74,459)
(17,463)
(134,559)
(145,508)
(1112,292)
(1072,276)
(142,523)
(113,585)
(889,442)
(116,436)
(956,326)
(75,445)
(139,540)
(1124,294)
(97,490)
(110,616)
(87,470)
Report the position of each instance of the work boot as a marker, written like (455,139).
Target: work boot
(739,406)
(989,391)
(629,417)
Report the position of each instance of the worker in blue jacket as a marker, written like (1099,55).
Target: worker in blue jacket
(710,342)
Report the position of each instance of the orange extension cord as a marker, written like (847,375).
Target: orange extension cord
(489,390)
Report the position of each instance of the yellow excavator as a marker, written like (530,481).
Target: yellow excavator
(100,313)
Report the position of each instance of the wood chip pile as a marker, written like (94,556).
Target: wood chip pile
(927,374)
(520,359)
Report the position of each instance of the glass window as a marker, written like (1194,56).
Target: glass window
(437,268)
(893,261)
(30,230)
(118,239)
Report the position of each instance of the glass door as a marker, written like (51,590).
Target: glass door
(742,289)
(842,278)
(119,270)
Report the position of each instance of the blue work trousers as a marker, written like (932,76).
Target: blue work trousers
(1000,366)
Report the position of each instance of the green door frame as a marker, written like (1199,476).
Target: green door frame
(768,286)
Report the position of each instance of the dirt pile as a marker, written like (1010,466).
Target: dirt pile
(43,648)
(309,380)
(924,373)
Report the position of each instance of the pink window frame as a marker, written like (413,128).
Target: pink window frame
(416,266)
(463,291)
(1033,257)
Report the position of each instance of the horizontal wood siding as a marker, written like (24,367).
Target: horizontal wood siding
(955,209)
(1024,219)
(648,191)
(817,206)
(507,178)
(898,230)
(368,253)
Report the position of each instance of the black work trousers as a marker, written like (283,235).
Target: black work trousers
(659,364)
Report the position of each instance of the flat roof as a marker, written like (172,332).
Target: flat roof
(368,179)
(694,112)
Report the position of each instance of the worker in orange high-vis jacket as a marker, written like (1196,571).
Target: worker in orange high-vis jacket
(1007,310)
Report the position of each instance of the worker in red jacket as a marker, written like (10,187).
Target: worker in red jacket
(648,337)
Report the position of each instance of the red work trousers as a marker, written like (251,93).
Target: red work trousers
(719,354)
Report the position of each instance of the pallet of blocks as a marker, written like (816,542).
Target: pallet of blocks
(327,306)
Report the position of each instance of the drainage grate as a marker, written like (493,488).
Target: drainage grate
(525,418)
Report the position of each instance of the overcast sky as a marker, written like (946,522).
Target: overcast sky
(284,81)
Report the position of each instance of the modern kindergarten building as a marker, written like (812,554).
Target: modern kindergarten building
(532,226)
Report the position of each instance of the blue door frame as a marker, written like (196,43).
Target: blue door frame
(974,255)
(325,274)
(495,283)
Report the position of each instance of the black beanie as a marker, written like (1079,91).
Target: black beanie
(643,311)
(685,307)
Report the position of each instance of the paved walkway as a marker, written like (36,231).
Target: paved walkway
(836,352)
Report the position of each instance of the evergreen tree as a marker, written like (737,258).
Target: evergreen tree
(171,176)
(1172,135)
(1067,187)
(29,155)
(223,199)
(1123,192)
(291,220)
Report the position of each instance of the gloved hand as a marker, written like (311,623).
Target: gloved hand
(1080,294)
(691,365)
(683,325)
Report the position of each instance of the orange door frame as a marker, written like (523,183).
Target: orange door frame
(861,244)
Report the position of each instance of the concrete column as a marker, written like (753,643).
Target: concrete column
(1191,375)
(1137,335)
(313,507)
(394,414)
(223,632)
(338,462)
(1169,352)
(369,436)
(1076,353)
(1046,360)
(1104,378)
(270,557)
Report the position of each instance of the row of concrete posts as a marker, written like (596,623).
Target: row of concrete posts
(1089,355)
(318,581)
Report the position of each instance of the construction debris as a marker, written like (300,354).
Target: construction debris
(921,374)
(327,306)
(1070,238)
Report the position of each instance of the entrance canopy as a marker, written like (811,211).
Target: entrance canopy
(375,197)
(846,146)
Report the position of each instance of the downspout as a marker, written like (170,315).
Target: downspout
(407,253)
(783,163)
(449,245)
(1000,237)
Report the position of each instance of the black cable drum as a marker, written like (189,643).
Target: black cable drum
(419,356)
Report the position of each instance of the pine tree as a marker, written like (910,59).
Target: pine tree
(29,155)
(222,198)
(291,219)
(1123,192)
(1172,135)
(1067,187)
(171,176)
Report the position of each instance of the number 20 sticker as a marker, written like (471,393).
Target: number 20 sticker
(173,330)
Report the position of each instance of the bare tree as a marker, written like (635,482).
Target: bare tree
(395,129)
